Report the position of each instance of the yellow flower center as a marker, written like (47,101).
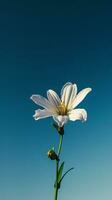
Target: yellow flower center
(62,110)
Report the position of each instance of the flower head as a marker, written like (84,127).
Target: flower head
(62,108)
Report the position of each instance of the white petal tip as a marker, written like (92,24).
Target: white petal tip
(31,97)
(84,120)
(35,117)
(49,90)
(34,95)
(89,89)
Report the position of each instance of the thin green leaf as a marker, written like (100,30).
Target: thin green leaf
(60,172)
(65,174)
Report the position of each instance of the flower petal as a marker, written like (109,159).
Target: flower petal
(40,114)
(78,114)
(41,101)
(64,88)
(72,95)
(80,96)
(68,93)
(53,98)
(60,119)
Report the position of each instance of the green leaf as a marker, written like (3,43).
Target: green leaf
(65,174)
(60,171)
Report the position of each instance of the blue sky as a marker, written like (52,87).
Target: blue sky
(42,46)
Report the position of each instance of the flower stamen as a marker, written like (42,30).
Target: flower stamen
(62,110)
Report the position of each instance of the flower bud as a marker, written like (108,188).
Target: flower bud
(52,155)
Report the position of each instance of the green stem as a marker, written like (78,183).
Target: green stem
(60,145)
(56,186)
(57,167)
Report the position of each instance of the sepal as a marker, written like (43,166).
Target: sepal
(59,129)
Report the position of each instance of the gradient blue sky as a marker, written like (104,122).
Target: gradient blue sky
(42,46)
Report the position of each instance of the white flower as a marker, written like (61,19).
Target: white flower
(64,108)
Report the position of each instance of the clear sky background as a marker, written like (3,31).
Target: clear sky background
(42,46)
